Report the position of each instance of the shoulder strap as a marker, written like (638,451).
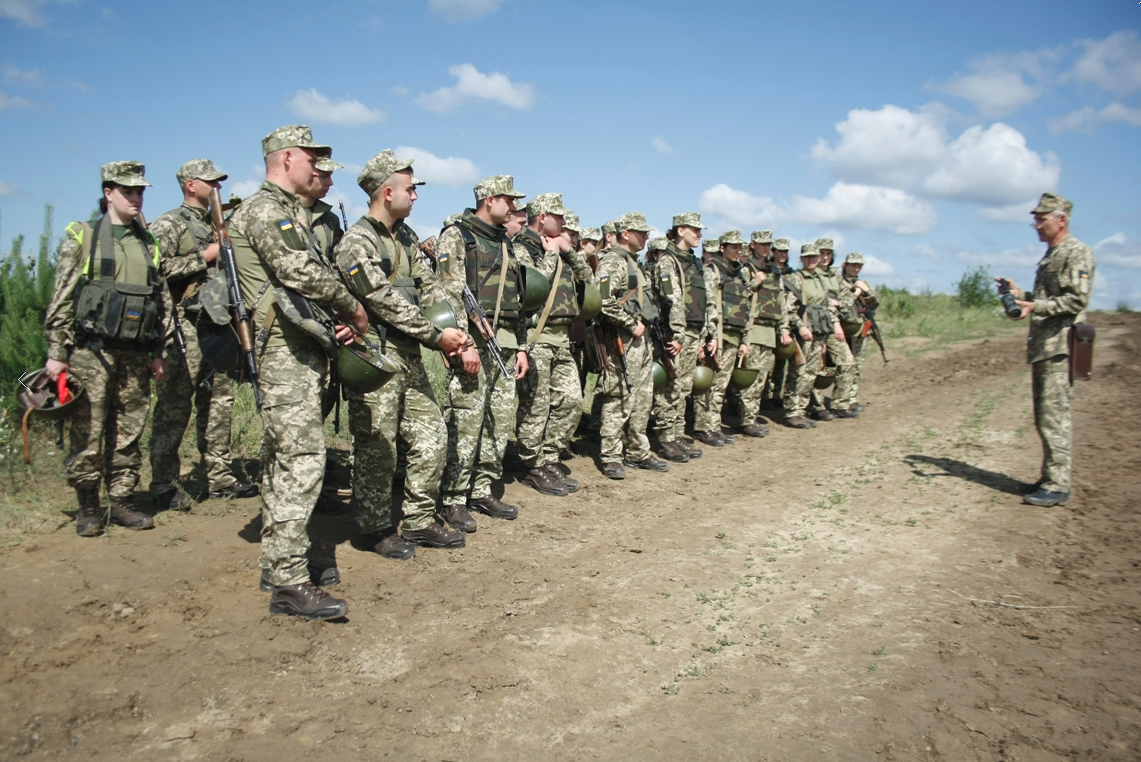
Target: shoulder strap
(550,302)
(503,256)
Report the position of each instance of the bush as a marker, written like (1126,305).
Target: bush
(25,290)
(976,289)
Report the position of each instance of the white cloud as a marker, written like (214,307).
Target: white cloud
(994,92)
(14,101)
(27,12)
(455,10)
(661,146)
(1019,212)
(473,85)
(993,166)
(1113,63)
(927,251)
(876,266)
(888,146)
(737,206)
(245,188)
(1118,251)
(1026,255)
(8,190)
(1088,119)
(453,172)
(14,75)
(315,107)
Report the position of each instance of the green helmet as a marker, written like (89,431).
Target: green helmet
(536,288)
(40,395)
(702,379)
(852,327)
(660,377)
(589,301)
(785,351)
(824,379)
(441,315)
(743,378)
(362,368)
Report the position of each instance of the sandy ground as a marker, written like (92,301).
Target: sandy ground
(869,589)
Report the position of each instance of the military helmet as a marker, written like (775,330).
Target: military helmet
(41,395)
(852,327)
(743,378)
(441,315)
(824,379)
(589,301)
(362,368)
(536,288)
(661,378)
(702,379)
(785,351)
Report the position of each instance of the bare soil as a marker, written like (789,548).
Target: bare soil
(869,589)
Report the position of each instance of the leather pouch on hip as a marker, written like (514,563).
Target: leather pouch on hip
(1081,351)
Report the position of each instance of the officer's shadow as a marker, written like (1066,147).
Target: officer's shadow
(1000,482)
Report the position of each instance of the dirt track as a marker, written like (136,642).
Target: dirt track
(870,589)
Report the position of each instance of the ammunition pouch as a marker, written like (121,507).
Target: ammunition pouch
(819,319)
(311,319)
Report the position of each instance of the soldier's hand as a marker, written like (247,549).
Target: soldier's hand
(1027,308)
(522,365)
(452,341)
(805,334)
(759,277)
(559,243)
(785,339)
(838,332)
(359,319)
(1005,283)
(674,348)
(743,350)
(470,358)
(712,349)
(158,369)
(863,286)
(210,253)
(54,368)
(701,352)
(639,329)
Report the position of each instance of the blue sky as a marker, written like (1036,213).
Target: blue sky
(916,133)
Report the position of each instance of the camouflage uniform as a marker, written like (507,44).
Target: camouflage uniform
(116,372)
(1062,288)
(774,390)
(183,234)
(480,410)
(807,290)
(550,401)
(769,321)
(838,349)
(272,244)
(625,411)
(859,341)
(729,286)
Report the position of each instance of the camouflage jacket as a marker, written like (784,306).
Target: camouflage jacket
(674,291)
(529,251)
(272,243)
(392,278)
(620,308)
(871,298)
(802,290)
(1062,288)
(770,291)
(183,234)
(326,228)
(59,321)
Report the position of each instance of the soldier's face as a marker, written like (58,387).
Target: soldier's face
(301,169)
(589,247)
(550,225)
(761,250)
(825,258)
(809,261)
(126,201)
(499,208)
(403,194)
(1048,225)
(326,182)
(636,239)
(780,257)
(688,237)
(731,251)
(516,221)
(200,189)
(852,270)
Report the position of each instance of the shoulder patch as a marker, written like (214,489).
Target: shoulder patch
(1083,274)
(289,234)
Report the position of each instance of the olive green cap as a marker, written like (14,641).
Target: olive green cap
(326,164)
(661,243)
(1050,202)
(547,203)
(689,220)
(290,136)
(809,250)
(609,227)
(634,221)
(711,244)
(781,244)
(570,222)
(590,234)
(762,236)
(199,169)
(497,185)
(731,237)
(381,167)
(855,258)
(126,173)
(825,243)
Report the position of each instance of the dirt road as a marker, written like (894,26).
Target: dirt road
(869,589)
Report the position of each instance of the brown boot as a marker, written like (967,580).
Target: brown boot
(89,522)
(755,430)
(459,517)
(434,536)
(544,481)
(124,514)
(671,452)
(494,507)
(306,600)
(687,447)
(554,469)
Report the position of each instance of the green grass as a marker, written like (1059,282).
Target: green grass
(928,315)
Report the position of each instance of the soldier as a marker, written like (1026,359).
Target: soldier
(729,287)
(323,221)
(780,256)
(282,272)
(106,326)
(836,346)
(379,259)
(189,253)
(480,408)
(680,282)
(768,320)
(774,391)
(654,251)
(610,234)
(626,393)
(550,404)
(862,296)
(760,249)
(710,247)
(1062,288)
(588,241)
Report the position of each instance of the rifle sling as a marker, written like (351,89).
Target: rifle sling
(550,302)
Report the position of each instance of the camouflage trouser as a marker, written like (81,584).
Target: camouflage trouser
(108,420)
(859,352)
(707,407)
(626,412)
(669,403)
(1053,397)
(845,369)
(760,359)
(293,452)
(550,410)
(404,407)
(480,413)
(798,387)
(215,407)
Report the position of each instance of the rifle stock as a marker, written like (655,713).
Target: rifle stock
(620,348)
(478,316)
(243,323)
(870,326)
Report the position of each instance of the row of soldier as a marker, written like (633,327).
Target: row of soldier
(724,320)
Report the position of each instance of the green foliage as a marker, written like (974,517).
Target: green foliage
(976,288)
(927,314)
(25,290)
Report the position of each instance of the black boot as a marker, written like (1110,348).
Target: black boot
(89,522)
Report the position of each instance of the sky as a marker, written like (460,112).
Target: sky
(918,134)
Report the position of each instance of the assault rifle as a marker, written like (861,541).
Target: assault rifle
(243,323)
(660,339)
(179,336)
(344,217)
(870,326)
(478,316)
(620,348)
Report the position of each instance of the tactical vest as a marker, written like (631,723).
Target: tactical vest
(696,298)
(108,310)
(831,280)
(181,291)
(735,297)
(637,300)
(564,308)
(395,254)
(323,227)
(814,301)
(199,230)
(485,271)
(767,301)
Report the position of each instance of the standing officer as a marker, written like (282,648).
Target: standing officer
(835,344)
(774,392)
(282,272)
(862,296)
(768,320)
(106,325)
(189,252)
(1062,288)
(813,316)
(480,404)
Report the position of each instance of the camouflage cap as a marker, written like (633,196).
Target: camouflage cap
(689,220)
(731,237)
(825,243)
(781,244)
(1050,202)
(633,221)
(326,164)
(609,227)
(497,185)
(855,258)
(289,136)
(126,173)
(570,222)
(452,219)
(661,243)
(590,234)
(549,203)
(809,250)
(381,167)
(199,169)
(762,236)
(711,244)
